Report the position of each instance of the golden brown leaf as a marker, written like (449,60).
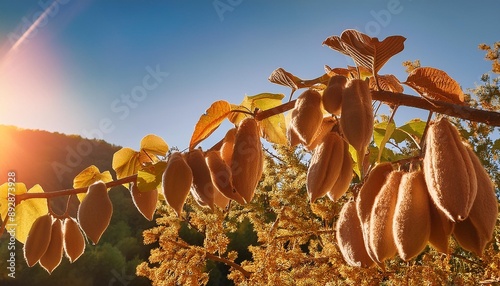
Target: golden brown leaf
(435,84)
(209,121)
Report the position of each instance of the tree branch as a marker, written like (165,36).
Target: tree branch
(67,192)
(464,112)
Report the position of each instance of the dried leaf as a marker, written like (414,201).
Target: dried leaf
(366,51)
(387,82)
(209,122)
(282,77)
(435,84)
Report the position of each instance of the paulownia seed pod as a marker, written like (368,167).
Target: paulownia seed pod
(412,217)
(345,177)
(307,115)
(449,172)
(356,121)
(53,255)
(95,211)
(350,237)
(74,242)
(441,229)
(332,95)
(247,162)
(366,198)
(226,150)
(476,231)
(38,239)
(203,188)
(176,182)
(145,202)
(381,234)
(222,176)
(326,127)
(325,166)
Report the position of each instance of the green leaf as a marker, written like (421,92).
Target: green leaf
(354,155)
(125,162)
(414,127)
(150,178)
(27,212)
(381,134)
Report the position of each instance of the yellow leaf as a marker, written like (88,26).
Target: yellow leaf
(209,122)
(153,146)
(125,162)
(89,176)
(274,127)
(435,84)
(27,212)
(8,191)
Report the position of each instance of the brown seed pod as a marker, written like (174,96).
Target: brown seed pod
(203,188)
(95,211)
(381,234)
(307,115)
(176,182)
(332,95)
(441,229)
(38,239)
(226,150)
(476,231)
(350,237)
(53,255)
(449,172)
(366,198)
(221,176)
(325,166)
(74,242)
(345,177)
(412,217)
(356,121)
(145,202)
(247,162)
(326,127)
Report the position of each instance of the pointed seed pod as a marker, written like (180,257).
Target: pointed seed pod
(412,216)
(356,121)
(476,231)
(203,188)
(441,229)
(176,182)
(325,166)
(247,163)
(449,172)
(53,255)
(350,237)
(145,202)
(366,198)
(345,176)
(38,239)
(307,115)
(332,95)
(326,127)
(95,211)
(226,150)
(222,176)
(381,218)
(74,242)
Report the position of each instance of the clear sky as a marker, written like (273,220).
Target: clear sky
(73,66)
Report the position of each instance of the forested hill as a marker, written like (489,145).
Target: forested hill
(53,160)
(50,159)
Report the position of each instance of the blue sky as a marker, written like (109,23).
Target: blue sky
(78,68)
